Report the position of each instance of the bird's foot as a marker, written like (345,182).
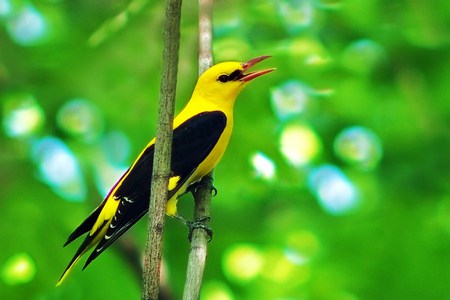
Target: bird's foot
(200,223)
(207,182)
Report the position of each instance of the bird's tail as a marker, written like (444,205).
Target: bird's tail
(85,246)
(89,242)
(69,267)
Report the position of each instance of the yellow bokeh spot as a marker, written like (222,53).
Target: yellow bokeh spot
(22,115)
(310,50)
(18,269)
(299,144)
(216,290)
(242,262)
(280,269)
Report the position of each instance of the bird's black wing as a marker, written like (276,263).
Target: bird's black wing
(193,140)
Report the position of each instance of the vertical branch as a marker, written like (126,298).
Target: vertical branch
(202,196)
(205,58)
(163,148)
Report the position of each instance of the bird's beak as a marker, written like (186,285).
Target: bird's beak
(252,75)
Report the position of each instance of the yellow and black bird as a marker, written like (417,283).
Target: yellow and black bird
(201,132)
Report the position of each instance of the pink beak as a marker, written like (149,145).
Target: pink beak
(252,75)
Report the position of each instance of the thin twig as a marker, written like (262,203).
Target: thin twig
(163,145)
(202,195)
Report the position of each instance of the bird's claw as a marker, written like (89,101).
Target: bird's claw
(193,188)
(213,190)
(200,223)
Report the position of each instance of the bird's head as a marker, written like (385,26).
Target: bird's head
(224,81)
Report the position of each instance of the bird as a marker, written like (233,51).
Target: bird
(201,132)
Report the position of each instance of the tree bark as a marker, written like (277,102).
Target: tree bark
(163,149)
(202,196)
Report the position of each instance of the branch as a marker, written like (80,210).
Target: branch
(205,58)
(163,148)
(202,196)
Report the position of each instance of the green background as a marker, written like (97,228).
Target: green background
(361,86)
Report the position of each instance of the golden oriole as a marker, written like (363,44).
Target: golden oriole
(201,132)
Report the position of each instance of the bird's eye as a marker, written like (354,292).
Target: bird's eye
(223,78)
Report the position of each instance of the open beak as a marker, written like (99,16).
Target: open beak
(252,75)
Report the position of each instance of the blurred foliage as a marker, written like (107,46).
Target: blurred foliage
(336,183)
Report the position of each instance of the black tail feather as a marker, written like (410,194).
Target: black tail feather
(83,248)
(86,225)
(105,243)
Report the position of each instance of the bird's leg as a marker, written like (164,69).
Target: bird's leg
(199,223)
(205,181)
(181,219)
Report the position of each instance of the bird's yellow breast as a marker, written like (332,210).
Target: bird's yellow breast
(196,106)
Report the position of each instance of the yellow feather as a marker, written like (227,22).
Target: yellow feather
(106,214)
(173,181)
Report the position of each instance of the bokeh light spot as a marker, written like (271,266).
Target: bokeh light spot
(280,268)
(227,48)
(242,262)
(58,167)
(296,15)
(335,192)
(299,144)
(18,269)
(28,27)
(309,51)
(362,56)
(264,167)
(216,290)
(116,146)
(22,115)
(359,146)
(290,99)
(110,160)
(302,246)
(106,175)
(6,8)
(80,118)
